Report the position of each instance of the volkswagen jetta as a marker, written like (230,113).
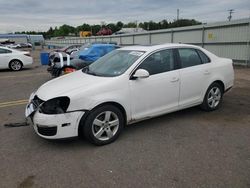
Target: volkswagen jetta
(128,85)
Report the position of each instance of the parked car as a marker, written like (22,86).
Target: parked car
(53,55)
(104,31)
(25,45)
(14,59)
(67,49)
(13,46)
(129,85)
(82,58)
(20,45)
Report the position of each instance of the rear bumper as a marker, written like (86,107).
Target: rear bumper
(28,62)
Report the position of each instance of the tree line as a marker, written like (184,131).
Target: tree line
(67,30)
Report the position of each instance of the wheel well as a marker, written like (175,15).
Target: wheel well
(15,60)
(221,84)
(119,106)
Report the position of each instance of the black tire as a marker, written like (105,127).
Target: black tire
(211,99)
(15,65)
(56,72)
(89,129)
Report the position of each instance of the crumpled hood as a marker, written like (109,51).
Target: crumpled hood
(64,85)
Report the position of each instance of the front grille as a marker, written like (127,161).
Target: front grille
(47,131)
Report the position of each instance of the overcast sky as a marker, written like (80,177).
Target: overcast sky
(39,15)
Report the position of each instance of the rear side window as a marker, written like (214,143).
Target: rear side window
(189,57)
(4,51)
(203,57)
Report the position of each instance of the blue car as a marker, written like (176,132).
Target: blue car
(96,51)
(82,58)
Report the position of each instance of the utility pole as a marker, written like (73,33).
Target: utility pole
(178,13)
(231,11)
(103,23)
(136,23)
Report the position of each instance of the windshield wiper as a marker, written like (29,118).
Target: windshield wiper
(87,71)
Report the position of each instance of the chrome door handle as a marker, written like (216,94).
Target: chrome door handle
(175,79)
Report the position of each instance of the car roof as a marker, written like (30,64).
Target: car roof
(156,47)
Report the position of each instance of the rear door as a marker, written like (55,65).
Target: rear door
(195,74)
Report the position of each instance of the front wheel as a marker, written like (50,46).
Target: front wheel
(103,125)
(213,97)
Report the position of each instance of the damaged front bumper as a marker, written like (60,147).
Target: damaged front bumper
(53,126)
(57,126)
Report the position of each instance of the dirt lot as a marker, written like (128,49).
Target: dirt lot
(190,148)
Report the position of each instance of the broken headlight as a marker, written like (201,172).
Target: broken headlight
(57,105)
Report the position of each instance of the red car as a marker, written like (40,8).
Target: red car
(104,31)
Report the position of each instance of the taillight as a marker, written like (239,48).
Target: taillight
(28,54)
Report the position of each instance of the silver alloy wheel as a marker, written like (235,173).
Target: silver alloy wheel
(15,65)
(105,125)
(214,97)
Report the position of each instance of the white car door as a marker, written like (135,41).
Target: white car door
(195,75)
(159,93)
(4,58)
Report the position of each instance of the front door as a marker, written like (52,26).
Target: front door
(159,93)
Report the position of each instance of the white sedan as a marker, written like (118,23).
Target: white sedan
(14,59)
(129,85)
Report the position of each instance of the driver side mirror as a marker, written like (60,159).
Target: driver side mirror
(140,73)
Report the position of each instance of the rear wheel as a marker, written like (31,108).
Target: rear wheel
(103,125)
(213,97)
(15,65)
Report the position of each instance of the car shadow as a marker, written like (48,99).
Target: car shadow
(68,143)
(23,70)
(167,119)
(232,110)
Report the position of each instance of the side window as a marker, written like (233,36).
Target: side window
(189,57)
(4,51)
(159,62)
(203,57)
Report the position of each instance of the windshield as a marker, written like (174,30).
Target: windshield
(114,63)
